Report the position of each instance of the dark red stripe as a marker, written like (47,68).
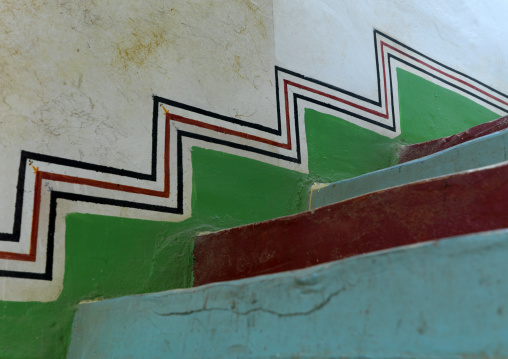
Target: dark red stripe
(233,132)
(303,87)
(412,152)
(30,257)
(286,103)
(165,192)
(447,206)
(41,175)
(384,78)
(446,74)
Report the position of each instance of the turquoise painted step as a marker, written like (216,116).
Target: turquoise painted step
(441,299)
(480,152)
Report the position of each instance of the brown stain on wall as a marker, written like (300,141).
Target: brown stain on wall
(185,28)
(142,43)
(71,70)
(257,16)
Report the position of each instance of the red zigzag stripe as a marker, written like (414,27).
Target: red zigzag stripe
(41,175)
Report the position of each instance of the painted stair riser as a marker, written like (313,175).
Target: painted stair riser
(463,203)
(444,299)
(481,152)
(418,150)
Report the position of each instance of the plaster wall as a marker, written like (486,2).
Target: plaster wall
(333,41)
(78,77)
(85,82)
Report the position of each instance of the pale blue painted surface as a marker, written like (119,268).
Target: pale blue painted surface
(446,299)
(481,152)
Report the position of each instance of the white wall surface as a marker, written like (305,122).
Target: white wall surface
(77,79)
(332,41)
(77,76)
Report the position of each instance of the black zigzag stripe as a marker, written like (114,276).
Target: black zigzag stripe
(152,176)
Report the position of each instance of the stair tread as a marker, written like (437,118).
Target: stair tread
(418,150)
(417,212)
(395,303)
(480,152)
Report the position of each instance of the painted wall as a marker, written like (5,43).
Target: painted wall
(127,128)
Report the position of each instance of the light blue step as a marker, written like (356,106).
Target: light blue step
(481,152)
(441,299)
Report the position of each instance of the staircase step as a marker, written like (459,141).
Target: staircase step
(462,203)
(412,152)
(441,299)
(480,152)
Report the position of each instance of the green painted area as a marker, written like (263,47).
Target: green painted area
(109,257)
(428,111)
(355,150)
(105,257)
(230,190)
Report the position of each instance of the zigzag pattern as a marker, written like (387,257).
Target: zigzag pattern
(33,255)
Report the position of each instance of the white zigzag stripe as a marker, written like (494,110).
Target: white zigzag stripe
(285,146)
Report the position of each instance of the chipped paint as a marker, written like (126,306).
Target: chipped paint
(316,187)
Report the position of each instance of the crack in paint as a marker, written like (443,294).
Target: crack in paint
(268,311)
